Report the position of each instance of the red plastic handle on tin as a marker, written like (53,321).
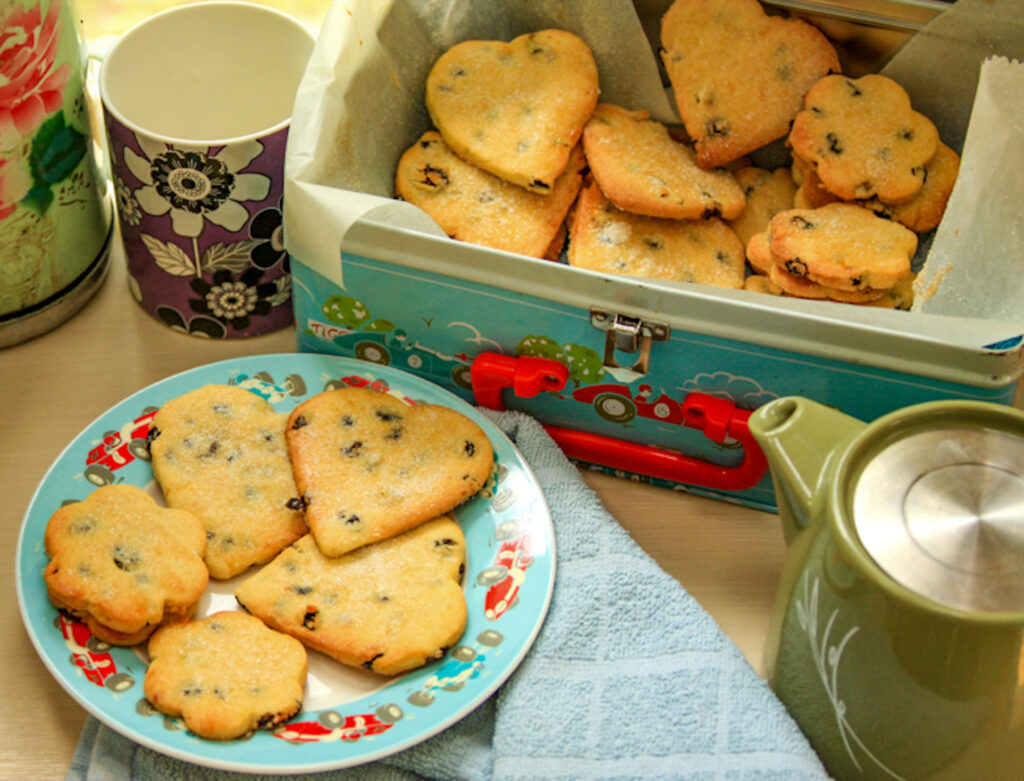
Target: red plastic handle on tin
(719,419)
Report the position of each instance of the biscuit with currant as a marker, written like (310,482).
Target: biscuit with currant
(474,206)
(604,238)
(842,246)
(219,452)
(772,276)
(123,564)
(515,109)
(802,287)
(767,193)
(387,607)
(810,193)
(739,75)
(759,252)
(759,283)
(925,210)
(900,296)
(641,169)
(864,139)
(225,675)
(369,466)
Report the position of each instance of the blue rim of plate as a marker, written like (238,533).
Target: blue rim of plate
(509,581)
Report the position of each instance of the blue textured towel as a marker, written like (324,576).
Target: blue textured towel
(628,678)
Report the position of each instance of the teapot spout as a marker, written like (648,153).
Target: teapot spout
(799,438)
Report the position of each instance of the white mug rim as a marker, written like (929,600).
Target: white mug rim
(175,141)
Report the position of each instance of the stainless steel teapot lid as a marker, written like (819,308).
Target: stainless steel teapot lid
(942,513)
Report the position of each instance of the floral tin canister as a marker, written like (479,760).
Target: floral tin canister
(55,210)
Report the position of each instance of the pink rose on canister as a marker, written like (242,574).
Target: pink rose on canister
(15,181)
(31,87)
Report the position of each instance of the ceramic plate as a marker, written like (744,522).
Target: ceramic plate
(350,716)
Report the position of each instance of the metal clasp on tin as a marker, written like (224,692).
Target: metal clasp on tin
(628,334)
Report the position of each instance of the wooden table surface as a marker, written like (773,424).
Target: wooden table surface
(729,558)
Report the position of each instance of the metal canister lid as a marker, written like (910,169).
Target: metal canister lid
(942,513)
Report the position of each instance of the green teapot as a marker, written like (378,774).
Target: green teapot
(897,639)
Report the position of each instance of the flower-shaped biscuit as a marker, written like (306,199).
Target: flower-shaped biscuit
(842,246)
(226,675)
(642,169)
(124,564)
(864,139)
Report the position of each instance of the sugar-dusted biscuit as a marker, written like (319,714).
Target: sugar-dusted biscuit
(759,252)
(811,193)
(219,452)
(864,139)
(739,76)
(641,169)
(767,193)
(772,276)
(759,283)
(921,213)
(842,246)
(474,206)
(388,607)
(515,109)
(554,249)
(802,287)
(124,564)
(605,238)
(809,197)
(900,296)
(924,211)
(368,466)
(225,675)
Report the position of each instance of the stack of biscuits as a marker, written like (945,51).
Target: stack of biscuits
(524,158)
(648,208)
(504,165)
(123,564)
(838,252)
(344,511)
(872,174)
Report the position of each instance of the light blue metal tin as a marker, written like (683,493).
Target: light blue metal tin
(430,305)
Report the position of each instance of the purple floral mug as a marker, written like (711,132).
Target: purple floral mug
(197,102)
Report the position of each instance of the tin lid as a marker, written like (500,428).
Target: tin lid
(942,513)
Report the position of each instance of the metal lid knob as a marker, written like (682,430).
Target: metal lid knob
(942,513)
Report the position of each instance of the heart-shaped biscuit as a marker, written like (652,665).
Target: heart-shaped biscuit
(642,170)
(607,239)
(369,466)
(474,206)
(515,109)
(739,75)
